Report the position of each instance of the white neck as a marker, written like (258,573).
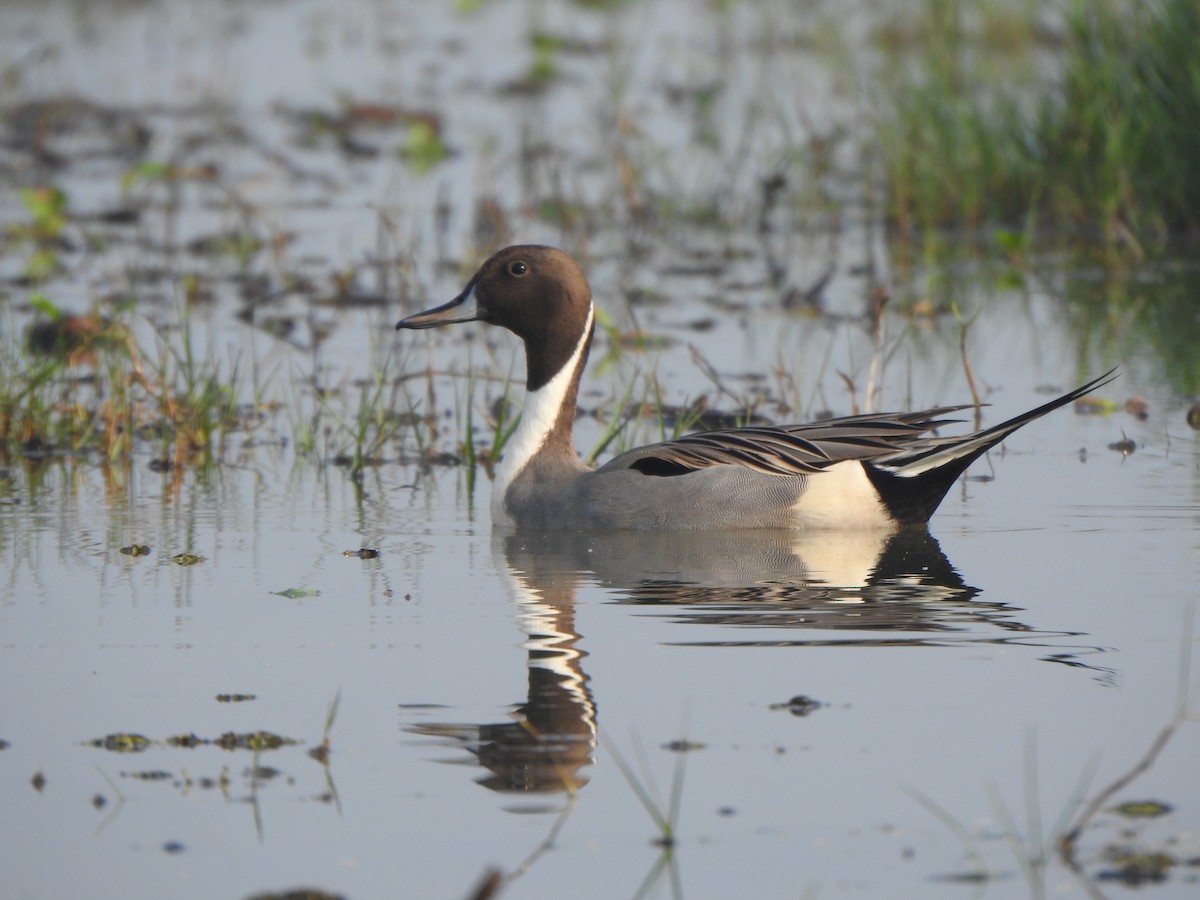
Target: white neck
(537,421)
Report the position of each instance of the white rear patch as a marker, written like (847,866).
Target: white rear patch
(537,420)
(841,497)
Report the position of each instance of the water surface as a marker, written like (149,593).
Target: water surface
(976,681)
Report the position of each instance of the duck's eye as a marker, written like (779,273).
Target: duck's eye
(517,268)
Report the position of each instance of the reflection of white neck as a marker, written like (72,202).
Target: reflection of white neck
(550,645)
(537,421)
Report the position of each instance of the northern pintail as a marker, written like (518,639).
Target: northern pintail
(867,471)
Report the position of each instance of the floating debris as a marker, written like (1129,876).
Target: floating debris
(800,705)
(173,847)
(361,553)
(149,775)
(186,741)
(122,743)
(1193,417)
(299,894)
(969,876)
(488,886)
(38,781)
(1124,446)
(187,559)
(1134,869)
(206,783)
(683,746)
(320,754)
(136,550)
(236,698)
(1138,407)
(255,740)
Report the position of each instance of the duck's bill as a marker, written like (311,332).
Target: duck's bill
(462,308)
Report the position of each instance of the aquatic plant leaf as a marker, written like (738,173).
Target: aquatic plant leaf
(423,148)
(1142,809)
(147,170)
(1092,406)
(47,207)
(122,742)
(254,740)
(45,306)
(297,593)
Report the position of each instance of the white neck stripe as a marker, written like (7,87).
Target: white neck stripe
(537,421)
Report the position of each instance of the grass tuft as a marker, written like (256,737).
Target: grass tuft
(82,385)
(1098,149)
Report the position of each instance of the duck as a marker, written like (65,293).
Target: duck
(874,471)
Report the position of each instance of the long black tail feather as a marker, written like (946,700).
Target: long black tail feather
(913,482)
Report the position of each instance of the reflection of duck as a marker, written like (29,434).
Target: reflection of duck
(872,471)
(872,587)
(551,736)
(867,581)
(862,581)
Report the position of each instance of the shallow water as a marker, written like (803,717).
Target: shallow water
(978,681)
(1026,638)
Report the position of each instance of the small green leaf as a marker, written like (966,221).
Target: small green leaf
(423,147)
(47,207)
(1142,809)
(41,264)
(122,742)
(297,593)
(148,170)
(45,306)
